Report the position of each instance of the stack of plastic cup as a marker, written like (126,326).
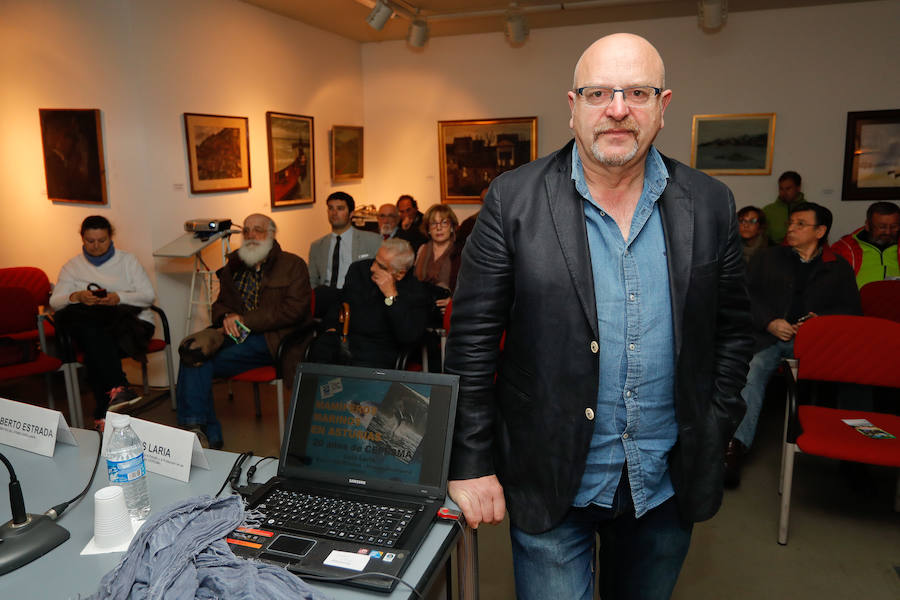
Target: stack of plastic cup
(112,525)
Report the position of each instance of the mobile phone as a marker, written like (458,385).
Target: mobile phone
(243,332)
(99,293)
(805,317)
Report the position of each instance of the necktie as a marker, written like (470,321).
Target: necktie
(385,236)
(335,261)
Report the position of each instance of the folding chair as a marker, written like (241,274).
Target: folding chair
(881,299)
(849,349)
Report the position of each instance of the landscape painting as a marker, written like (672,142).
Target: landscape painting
(218,153)
(346,152)
(872,156)
(73,155)
(733,144)
(473,152)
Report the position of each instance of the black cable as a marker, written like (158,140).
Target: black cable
(234,476)
(57,511)
(360,576)
(252,470)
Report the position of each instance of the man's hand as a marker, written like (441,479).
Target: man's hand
(230,325)
(385,282)
(781,329)
(481,499)
(442,304)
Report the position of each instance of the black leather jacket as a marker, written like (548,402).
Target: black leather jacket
(526,271)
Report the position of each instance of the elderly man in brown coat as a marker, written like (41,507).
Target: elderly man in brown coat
(264,293)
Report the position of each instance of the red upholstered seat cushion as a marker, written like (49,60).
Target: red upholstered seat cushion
(43,364)
(257,375)
(825,434)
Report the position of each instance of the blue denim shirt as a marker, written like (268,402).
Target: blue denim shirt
(635,416)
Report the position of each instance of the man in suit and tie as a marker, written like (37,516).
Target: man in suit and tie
(617,276)
(331,255)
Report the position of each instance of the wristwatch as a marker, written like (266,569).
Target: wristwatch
(389,300)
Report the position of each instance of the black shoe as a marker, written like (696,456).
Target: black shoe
(124,400)
(734,457)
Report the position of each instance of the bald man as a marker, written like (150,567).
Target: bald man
(264,294)
(617,277)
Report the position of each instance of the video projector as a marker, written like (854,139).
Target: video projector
(207,226)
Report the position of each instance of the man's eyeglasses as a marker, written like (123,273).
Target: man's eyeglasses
(438,224)
(800,224)
(748,221)
(603,96)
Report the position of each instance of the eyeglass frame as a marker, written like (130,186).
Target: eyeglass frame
(580,91)
(747,221)
(442,223)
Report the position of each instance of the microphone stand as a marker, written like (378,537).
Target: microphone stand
(27,536)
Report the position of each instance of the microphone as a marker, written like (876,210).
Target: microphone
(27,536)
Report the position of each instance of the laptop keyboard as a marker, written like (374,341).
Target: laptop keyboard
(335,517)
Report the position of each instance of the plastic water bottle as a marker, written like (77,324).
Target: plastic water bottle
(125,463)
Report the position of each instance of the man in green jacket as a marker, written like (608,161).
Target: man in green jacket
(872,250)
(789,194)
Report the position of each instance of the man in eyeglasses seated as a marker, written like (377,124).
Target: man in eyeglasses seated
(752,229)
(264,293)
(788,285)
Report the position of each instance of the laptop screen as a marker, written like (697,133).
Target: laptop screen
(371,428)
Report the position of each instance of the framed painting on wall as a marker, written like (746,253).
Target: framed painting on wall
(292,169)
(733,144)
(218,152)
(872,156)
(472,153)
(346,152)
(73,155)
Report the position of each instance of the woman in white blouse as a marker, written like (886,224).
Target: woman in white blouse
(101,299)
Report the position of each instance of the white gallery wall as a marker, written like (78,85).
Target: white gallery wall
(810,66)
(143,64)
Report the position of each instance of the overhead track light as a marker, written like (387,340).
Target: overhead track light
(516,28)
(380,15)
(418,33)
(712,14)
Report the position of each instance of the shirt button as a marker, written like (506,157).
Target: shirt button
(589,413)
(631,346)
(595,347)
(624,436)
(602,214)
(631,297)
(628,393)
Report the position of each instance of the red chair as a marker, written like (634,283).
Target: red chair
(881,299)
(18,316)
(36,282)
(850,349)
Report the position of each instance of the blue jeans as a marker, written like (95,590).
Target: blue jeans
(194,391)
(639,559)
(762,366)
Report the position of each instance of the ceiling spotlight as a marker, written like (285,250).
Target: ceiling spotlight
(516,28)
(712,14)
(418,33)
(379,15)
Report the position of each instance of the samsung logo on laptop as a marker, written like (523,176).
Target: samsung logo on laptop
(357,481)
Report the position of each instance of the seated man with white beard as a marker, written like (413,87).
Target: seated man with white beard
(266,290)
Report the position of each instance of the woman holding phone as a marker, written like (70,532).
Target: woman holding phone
(101,301)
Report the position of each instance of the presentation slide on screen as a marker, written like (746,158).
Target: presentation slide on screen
(369,428)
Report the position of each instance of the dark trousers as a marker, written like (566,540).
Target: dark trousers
(94,334)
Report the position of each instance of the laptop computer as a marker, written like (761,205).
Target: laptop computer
(363,471)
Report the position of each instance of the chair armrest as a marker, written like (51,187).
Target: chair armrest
(165,323)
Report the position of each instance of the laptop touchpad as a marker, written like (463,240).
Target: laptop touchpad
(289,544)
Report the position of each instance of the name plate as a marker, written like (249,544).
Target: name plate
(168,450)
(33,428)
